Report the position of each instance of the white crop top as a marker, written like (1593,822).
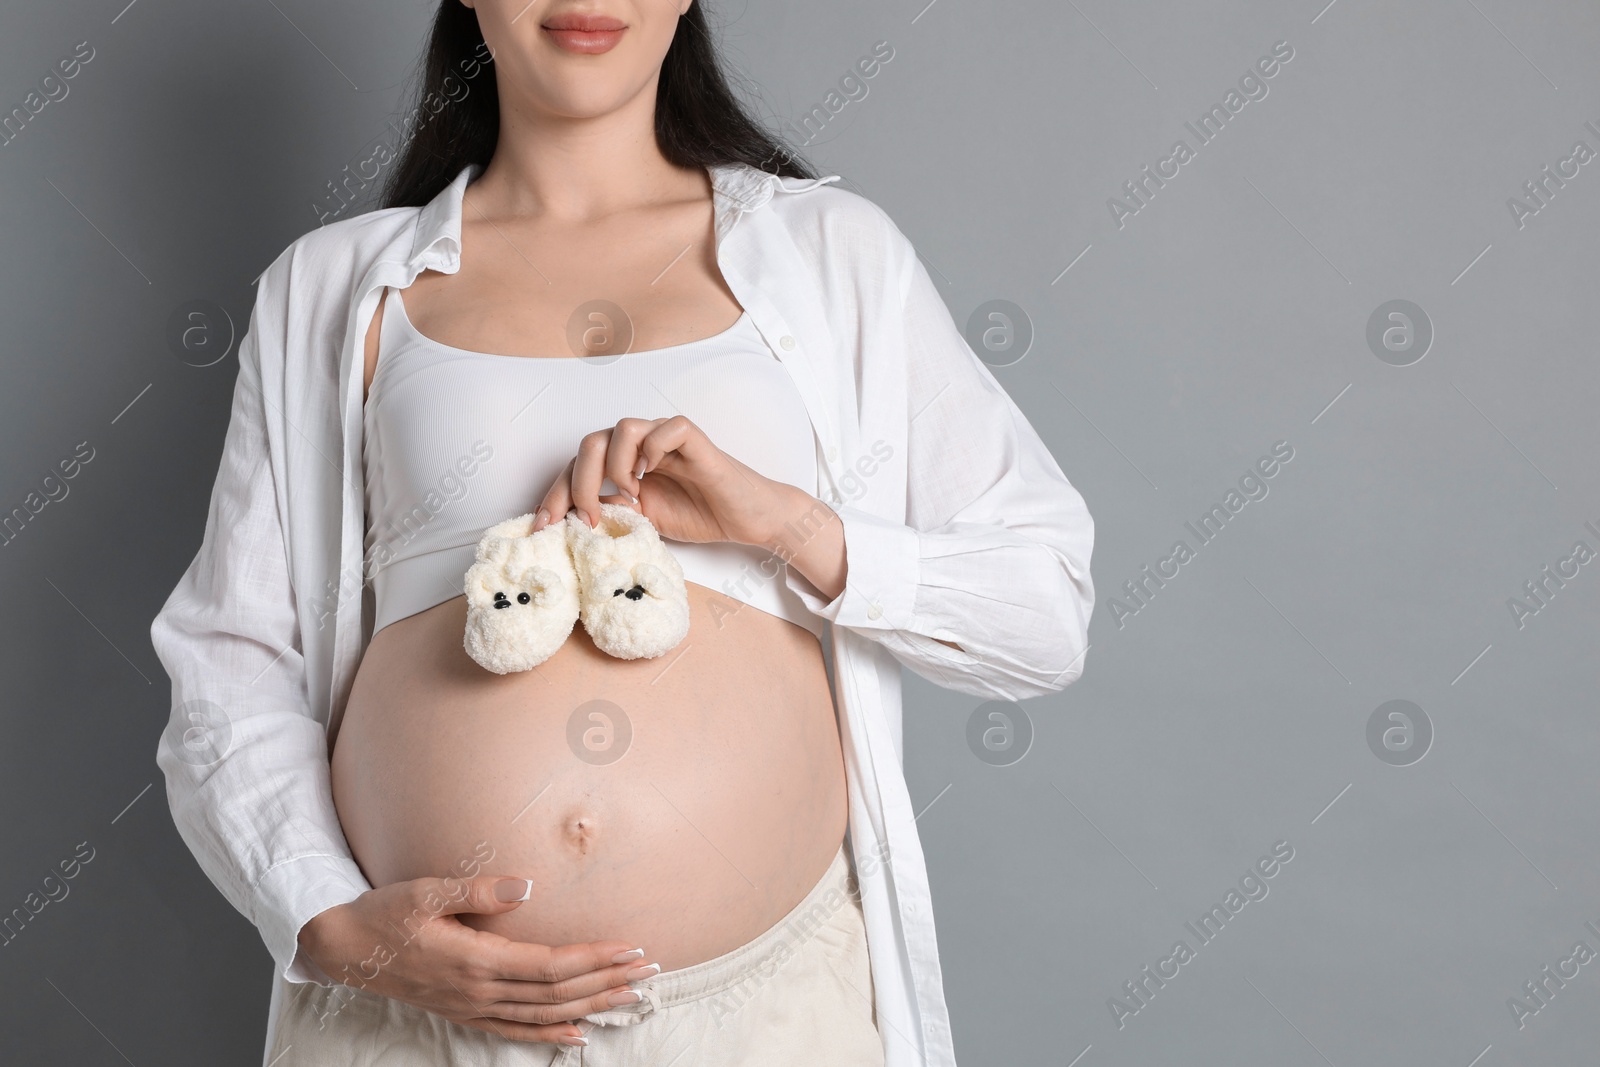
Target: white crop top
(455,441)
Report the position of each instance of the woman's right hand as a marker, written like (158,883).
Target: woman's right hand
(436,962)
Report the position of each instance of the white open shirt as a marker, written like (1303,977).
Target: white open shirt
(958,524)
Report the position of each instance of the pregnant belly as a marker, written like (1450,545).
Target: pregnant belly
(683,803)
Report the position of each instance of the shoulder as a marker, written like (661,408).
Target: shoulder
(834,212)
(318,261)
(305,296)
(844,235)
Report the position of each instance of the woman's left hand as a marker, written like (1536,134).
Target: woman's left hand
(690,490)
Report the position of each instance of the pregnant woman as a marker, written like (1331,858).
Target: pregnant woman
(598,283)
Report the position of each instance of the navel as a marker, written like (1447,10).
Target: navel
(579,831)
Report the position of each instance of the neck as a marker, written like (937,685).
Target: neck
(577,170)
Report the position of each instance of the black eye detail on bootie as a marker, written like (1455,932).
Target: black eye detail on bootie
(523,598)
(500,600)
(636,593)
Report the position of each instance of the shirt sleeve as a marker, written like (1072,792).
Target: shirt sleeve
(994,552)
(245,761)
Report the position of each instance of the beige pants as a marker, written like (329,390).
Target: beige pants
(799,994)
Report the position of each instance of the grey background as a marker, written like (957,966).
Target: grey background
(1229,713)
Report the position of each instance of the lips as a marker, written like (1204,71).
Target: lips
(585,34)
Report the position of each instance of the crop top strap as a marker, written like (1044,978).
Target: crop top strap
(389,328)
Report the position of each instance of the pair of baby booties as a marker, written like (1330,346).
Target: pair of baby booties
(527,590)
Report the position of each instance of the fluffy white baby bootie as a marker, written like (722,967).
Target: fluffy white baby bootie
(631,594)
(522,596)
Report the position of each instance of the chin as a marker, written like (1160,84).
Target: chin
(579,95)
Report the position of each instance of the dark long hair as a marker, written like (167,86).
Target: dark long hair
(699,122)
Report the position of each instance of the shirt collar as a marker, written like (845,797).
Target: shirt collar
(736,188)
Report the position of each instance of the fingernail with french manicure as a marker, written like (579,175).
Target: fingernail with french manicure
(568,1039)
(631,954)
(542,517)
(625,997)
(639,472)
(584,515)
(644,972)
(509,889)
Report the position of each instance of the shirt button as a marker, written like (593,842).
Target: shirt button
(786,342)
(875,612)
